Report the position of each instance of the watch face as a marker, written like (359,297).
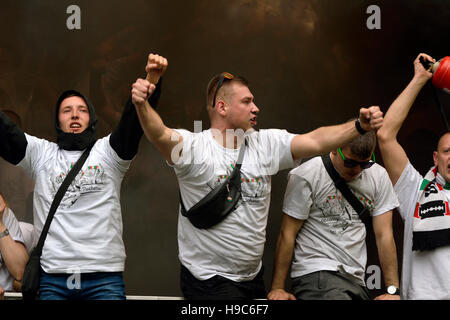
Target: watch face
(391,289)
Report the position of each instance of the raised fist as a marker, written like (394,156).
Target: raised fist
(141,90)
(371,118)
(156,66)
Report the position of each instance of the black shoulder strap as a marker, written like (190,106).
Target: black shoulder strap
(59,196)
(340,183)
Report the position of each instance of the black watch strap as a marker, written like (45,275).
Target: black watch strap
(359,128)
(392,290)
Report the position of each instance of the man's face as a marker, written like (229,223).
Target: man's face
(73,115)
(348,174)
(243,112)
(441,157)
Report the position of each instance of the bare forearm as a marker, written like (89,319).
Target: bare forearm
(323,140)
(283,258)
(333,137)
(388,259)
(14,256)
(151,122)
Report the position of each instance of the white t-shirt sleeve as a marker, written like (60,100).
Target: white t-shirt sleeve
(406,188)
(37,151)
(297,198)
(10,221)
(386,199)
(182,164)
(277,153)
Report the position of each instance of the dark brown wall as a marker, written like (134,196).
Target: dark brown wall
(310,63)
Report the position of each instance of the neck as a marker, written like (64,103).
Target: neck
(227,136)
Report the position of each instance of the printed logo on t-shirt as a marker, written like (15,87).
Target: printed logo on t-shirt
(253,189)
(91,179)
(338,214)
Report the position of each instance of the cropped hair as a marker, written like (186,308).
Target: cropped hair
(212,85)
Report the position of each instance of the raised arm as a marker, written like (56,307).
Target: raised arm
(283,257)
(325,139)
(13,143)
(164,138)
(127,135)
(394,157)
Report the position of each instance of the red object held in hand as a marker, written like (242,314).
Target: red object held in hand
(441,74)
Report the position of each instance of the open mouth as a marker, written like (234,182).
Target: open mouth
(75,126)
(253,121)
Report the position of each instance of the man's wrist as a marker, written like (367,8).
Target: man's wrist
(393,290)
(419,80)
(359,127)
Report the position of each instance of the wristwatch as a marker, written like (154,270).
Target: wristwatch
(393,290)
(4,233)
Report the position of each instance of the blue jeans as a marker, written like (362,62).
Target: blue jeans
(82,286)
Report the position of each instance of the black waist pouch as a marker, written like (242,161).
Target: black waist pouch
(218,203)
(31,277)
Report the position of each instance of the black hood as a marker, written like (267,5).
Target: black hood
(76,141)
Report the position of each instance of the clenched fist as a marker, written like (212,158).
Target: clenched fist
(156,66)
(419,71)
(141,90)
(371,118)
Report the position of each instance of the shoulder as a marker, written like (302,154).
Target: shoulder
(34,141)
(307,171)
(271,133)
(377,173)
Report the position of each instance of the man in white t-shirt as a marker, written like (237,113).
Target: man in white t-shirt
(13,255)
(323,239)
(224,261)
(83,255)
(423,200)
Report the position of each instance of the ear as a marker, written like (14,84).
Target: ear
(221,108)
(435,158)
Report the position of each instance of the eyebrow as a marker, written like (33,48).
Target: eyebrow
(74,106)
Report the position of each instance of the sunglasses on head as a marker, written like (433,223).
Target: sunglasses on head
(350,163)
(223,76)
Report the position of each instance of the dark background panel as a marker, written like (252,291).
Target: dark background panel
(310,63)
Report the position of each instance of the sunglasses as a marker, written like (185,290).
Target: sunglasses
(350,163)
(223,76)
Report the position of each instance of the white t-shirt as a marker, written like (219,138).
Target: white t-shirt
(233,248)
(333,236)
(11,223)
(425,274)
(86,232)
(28,235)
